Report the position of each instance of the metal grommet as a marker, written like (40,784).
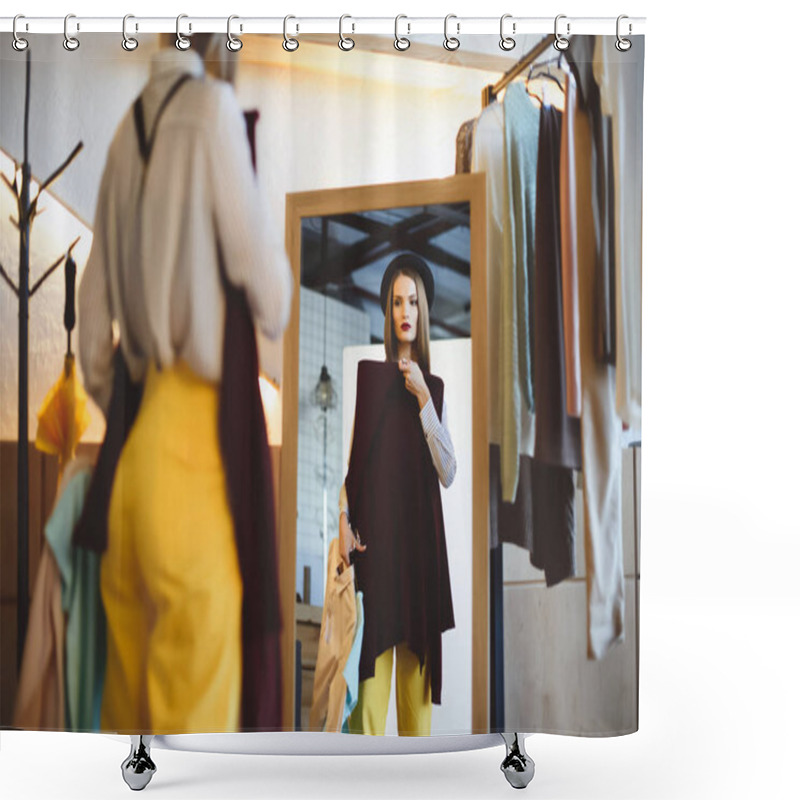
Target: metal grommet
(561,43)
(507,42)
(19,44)
(345,42)
(290,44)
(451,42)
(70,42)
(181,42)
(129,43)
(400,42)
(623,45)
(233,44)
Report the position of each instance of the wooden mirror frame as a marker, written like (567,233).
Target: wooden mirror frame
(456,189)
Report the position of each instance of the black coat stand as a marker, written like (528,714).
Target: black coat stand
(27,211)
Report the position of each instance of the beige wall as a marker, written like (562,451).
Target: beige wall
(550,683)
(328,119)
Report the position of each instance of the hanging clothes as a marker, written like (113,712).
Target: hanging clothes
(522,147)
(59,681)
(511,423)
(558,436)
(464,146)
(40,701)
(85,640)
(532,514)
(601,446)
(541,519)
(336,636)
(488,156)
(396,507)
(518,431)
(569,250)
(605,243)
(620,77)
(580,56)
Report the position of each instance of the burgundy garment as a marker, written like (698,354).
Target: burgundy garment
(396,506)
(248,475)
(248,472)
(558,436)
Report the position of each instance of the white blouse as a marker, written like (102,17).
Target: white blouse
(153,268)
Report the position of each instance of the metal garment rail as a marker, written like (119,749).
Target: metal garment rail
(490,92)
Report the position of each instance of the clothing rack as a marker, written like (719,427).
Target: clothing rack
(490,92)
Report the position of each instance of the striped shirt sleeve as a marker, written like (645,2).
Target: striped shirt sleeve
(437,435)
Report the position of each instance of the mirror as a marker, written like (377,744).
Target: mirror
(340,243)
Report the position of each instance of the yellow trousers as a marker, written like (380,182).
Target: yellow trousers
(412,690)
(170,579)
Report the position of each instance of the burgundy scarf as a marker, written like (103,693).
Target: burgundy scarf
(395,504)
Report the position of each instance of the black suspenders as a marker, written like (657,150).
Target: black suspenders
(145,145)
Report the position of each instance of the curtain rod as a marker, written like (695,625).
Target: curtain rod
(407,26)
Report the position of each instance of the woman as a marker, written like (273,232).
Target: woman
(180,223)
(391,512)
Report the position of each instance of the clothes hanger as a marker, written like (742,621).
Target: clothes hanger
(532,73)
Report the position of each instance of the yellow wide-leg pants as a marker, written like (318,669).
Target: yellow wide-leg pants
(170,579)
(412,690)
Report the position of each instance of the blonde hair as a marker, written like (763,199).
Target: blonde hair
(421,346)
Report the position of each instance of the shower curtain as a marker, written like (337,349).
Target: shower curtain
(289,263)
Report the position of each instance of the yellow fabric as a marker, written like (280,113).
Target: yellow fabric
(63,417)
(412,690)
(170,577)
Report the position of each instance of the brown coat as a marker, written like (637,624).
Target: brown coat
(336,635)
(40,700)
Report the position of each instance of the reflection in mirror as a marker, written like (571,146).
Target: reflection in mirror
(342,321)
(343,258)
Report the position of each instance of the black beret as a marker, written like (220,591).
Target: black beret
(411,261)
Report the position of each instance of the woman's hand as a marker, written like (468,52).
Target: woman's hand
(347,539)
(415,383)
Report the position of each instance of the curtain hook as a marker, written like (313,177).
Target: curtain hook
(507,42)
(71,43)
(623,45)
(400,42)
(233,44)
(181,42)
(451,42)
(19,44)
(129,43)
(560,43)
(345,43)
(290,43)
